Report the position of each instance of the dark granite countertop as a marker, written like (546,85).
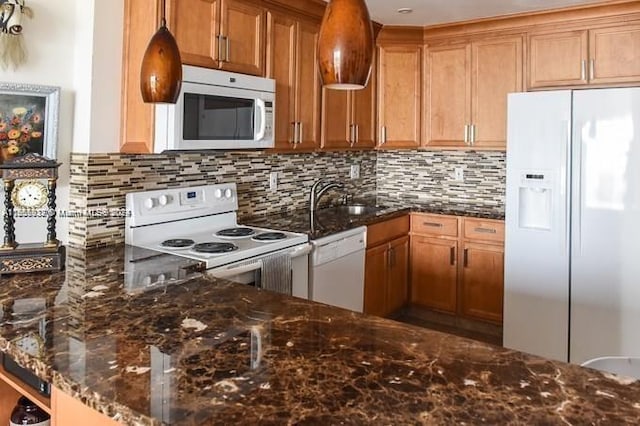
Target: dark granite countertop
(204,351)
(327,221)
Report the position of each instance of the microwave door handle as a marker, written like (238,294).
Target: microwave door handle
(262,116)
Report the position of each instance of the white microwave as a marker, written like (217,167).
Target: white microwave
(217,110)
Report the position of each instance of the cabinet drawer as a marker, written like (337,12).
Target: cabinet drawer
(485,230)
(434,225)
(388,230)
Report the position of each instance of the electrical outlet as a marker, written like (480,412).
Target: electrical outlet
(458,174)
(273,181)
(355,171)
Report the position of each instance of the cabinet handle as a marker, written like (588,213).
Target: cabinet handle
(219,37)
(466,134)
(473,134)
(485,230)
(294,140)
(392,256)
(466,258)
(452,256)
(583,70)
(433,224)
(300,134)
(592,69)
(357,126)
(351,133)
(228,48)
(383,135)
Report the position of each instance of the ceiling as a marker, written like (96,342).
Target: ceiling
(430,12)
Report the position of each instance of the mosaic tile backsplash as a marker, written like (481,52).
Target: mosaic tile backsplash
(428,176)
(99,182)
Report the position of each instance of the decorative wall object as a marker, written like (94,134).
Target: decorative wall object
(345,45)
(12,48)
(28,120)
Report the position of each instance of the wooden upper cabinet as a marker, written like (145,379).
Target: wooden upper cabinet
(225,34)
(195,25)
(308,87)
(448,88)
(467,87)
(291,62)
(400,96)
(558,59)
(496,71)
(614,53)
(281,66)
(349,117)
(137,118)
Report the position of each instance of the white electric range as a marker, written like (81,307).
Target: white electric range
(200,223)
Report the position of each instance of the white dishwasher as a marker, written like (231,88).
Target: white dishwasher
(337,269)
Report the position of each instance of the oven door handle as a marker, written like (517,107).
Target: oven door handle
(242,269)
(300,251)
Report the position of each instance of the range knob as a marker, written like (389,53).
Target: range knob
(161,278)
(150,203)
(228,193)
(147,281)
(217,193)
(165,199)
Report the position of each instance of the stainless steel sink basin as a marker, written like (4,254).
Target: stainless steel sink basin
(353,209)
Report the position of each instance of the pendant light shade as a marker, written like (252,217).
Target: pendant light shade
(345,45)
(161,71)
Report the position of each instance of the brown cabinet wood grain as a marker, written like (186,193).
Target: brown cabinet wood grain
(434,273)
(558,59)
(467,87)
(387,267)
(225,34)
(482,281)
(614,53)
(291,62)
(400,96)
(349,118)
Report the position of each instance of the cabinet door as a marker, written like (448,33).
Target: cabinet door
(281,66)
(558,59)
(364,113)
(433,273)
(615,54)
(398,282)
(308,87)
(496,71)
(336,119)
(400,96)
(375,280)
(482,281)
(137,121)
(448,107)
(195,26)
(243,28)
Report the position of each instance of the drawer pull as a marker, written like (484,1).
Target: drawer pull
(452,256)
(485,230)
(433,224)
(466,258)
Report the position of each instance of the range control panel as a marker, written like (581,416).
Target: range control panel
(152,207)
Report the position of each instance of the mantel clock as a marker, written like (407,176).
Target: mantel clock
(30,188)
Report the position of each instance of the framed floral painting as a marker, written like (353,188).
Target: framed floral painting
(28,120)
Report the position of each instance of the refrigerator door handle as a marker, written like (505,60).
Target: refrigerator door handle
(565,186)
(578,166)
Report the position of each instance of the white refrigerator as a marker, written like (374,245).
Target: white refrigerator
(572,250)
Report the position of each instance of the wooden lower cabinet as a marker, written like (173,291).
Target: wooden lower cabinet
(398,279)
(482,281)
(434,273)
(457,265)
(375,280)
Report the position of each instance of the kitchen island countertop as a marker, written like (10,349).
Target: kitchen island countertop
(205,351)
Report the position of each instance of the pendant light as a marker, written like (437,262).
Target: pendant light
(161,71)
(345,45)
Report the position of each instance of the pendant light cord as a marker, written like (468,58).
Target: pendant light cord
(163,19)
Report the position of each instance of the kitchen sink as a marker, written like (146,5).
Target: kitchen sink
(352,209)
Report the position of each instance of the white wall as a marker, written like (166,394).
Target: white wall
(76,45)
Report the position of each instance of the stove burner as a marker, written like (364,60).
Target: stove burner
(178,243)
(269,236)
(214,248)
(235,232)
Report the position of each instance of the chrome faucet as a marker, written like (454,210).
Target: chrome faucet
(316,194)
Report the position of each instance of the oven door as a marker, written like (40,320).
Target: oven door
(214,117)
(250,271)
